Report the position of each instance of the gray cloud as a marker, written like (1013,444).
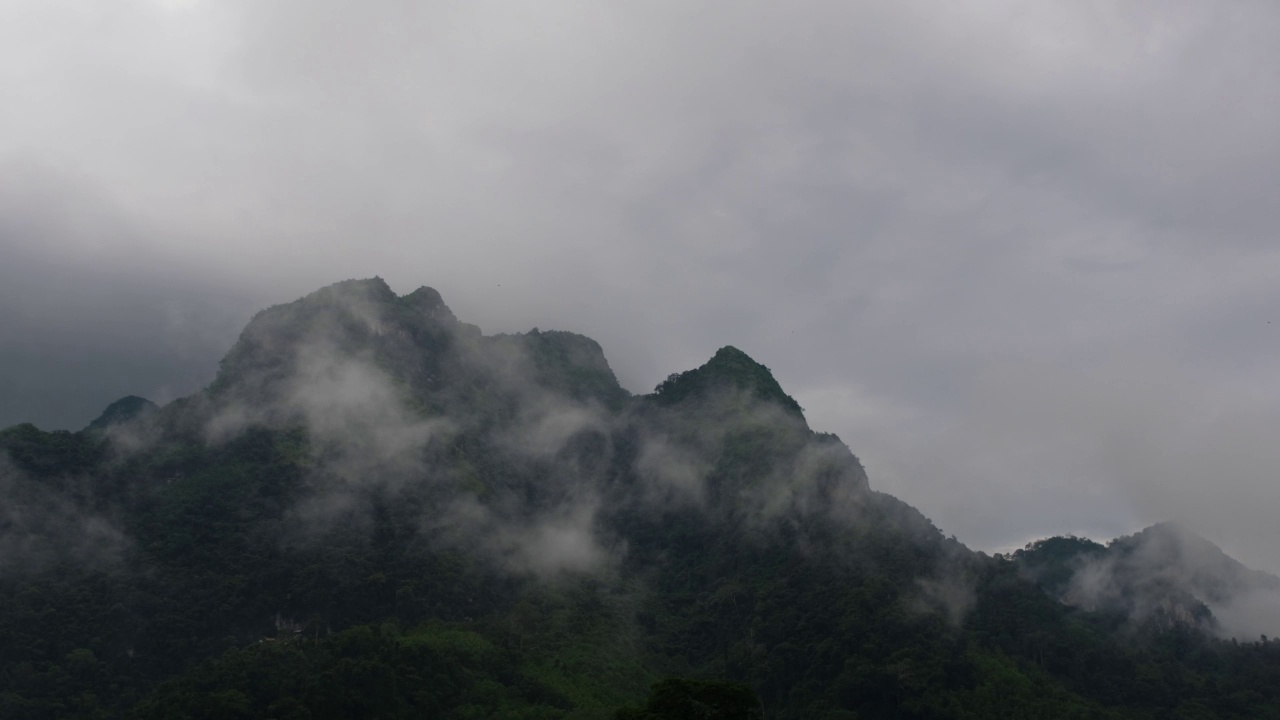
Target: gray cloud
(1019,257)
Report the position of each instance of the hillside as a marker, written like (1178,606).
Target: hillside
(376,510)
(1164,576)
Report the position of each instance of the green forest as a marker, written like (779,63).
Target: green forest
(377,511)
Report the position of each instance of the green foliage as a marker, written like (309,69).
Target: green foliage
(677,699)
(50,455)
(574,366)
(365,671)
(127,409)
(1052,562)
(729,368)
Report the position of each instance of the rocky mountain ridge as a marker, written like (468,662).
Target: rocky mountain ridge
(376,510)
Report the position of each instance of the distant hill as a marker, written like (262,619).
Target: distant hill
(125,410)
(378,511)
(1165,574)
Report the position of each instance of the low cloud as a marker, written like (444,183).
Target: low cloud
(564,539)
(339,366)
(671,472)
(1169,575)
(1250,614)
(43,525)
(952,594)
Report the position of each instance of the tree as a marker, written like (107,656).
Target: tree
(676,699)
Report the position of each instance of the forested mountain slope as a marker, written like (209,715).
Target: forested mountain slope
(375,510)
(1163,576)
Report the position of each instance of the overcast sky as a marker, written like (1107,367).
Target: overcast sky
(1021,256)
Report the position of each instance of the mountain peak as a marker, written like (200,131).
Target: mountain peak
(346,317)
(1174,543)
(728,368)
(425,298)
(373,285)
(121,411)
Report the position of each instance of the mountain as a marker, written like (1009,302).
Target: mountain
(121,412)
(376,510)
(1164,575)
